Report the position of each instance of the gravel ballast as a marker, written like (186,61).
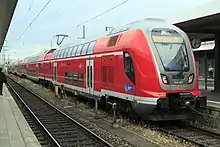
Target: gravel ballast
(125,134)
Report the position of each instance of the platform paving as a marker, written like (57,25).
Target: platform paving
(14,130)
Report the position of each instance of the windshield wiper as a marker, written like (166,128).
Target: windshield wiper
(183,68)
(183,63)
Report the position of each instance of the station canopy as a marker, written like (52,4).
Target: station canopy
(7,8)
(201,22)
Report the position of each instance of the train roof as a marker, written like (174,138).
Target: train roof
(39,56)
(146,24)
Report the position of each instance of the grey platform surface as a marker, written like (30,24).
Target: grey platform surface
(213,98)
(14,130)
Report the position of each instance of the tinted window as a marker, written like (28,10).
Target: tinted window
(129,67)
(91,47)
(84,49)
(74,51)
(171,48)
(58,55)
(61,53)
(79,50)
(66,53)
(70,51)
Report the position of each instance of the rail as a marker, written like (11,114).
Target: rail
(190,133)
(62,129)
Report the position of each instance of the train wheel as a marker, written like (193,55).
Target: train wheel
(129,112)
(102,103)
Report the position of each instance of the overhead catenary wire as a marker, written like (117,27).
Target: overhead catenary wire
(34,19)
(106,11)
(29,9)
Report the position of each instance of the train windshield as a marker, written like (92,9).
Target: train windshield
(171,49)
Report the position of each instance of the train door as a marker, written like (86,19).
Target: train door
(37,70)
(55,72)
(130,72)
(90,76)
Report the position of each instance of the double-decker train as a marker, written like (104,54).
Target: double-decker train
(147,68)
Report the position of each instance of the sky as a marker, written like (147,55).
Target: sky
(63,16)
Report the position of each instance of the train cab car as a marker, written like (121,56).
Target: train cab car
(161,71)
(147,68)
(161,79)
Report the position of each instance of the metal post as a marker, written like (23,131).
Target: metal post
(96,104)
(96,109)
(61,92)
(114,113)
(84,31)
(56,90)
(75,100)
(206,70)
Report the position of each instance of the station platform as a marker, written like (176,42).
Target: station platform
(14,130)
(212,97)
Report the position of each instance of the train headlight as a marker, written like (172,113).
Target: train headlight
(187,103)
(164,79)
(190,78)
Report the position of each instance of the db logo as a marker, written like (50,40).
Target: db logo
(178,87)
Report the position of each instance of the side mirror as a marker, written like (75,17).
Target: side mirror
(196,43)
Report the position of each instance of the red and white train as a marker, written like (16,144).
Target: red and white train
(147,68)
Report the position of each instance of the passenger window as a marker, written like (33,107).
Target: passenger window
(58,55)
(129,67)
(79,50)
(61,54)
(74,51)
(66,53)
(91,47)
(70,51)
(84,49)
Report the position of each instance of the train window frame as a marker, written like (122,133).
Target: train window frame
(112,41)
(79,49)
(90,49)
(73,51)
(67,51)
(129,69)
(84,49)
(175,33)
(61,54)
(57,53)
(70,51)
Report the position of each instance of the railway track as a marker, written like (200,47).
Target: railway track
(40,134)
(190,133)
(63,130)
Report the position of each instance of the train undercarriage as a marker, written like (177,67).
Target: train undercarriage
(176,106)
